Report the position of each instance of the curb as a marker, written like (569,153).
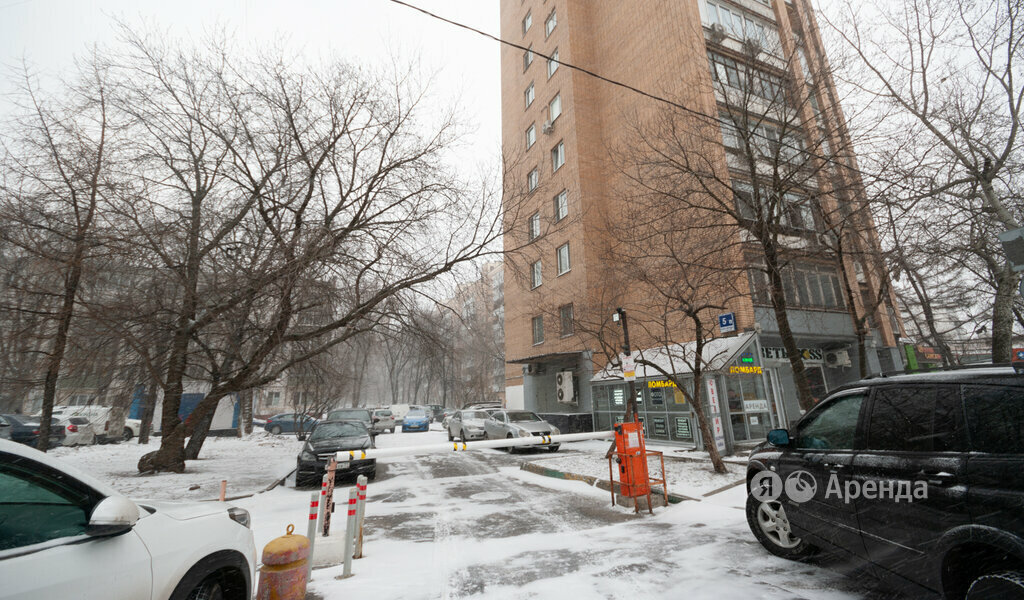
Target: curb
(603,484)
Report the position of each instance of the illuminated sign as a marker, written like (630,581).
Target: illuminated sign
(660,384)
(744,370)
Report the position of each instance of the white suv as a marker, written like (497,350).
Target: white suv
(64,534)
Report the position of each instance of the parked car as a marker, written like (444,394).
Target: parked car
(435,411)
(25,430)
(132,427)
(399,411)
(106,422)
(5,429)
(416,419)
(77,431)
(290,423)
(383,420)
(518,423)
(467,425)
(363,415)
(64,534)
(917,476)
(328,438)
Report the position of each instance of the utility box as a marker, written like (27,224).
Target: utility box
(632,459)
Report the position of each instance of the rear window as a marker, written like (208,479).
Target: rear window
(916,419)
(341,415)
(995,418)
(383,413)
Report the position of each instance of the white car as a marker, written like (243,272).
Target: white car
(64,534)
(132,427)
(77,431)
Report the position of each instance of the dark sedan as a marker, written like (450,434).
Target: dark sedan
(328,438)
(25,430)
(290,423)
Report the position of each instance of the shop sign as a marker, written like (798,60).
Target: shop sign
(683,428)
(661,383)
(808,354)
(680,397)
(929,353)
(660,425)
(713,396)
(755,405)
(745,370)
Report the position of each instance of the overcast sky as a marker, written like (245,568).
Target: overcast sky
(50,33)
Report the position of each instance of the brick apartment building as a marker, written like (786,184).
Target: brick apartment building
(559,126)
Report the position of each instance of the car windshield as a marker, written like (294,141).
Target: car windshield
(19,420)
(340,415)
(416,413)
(474,414)
(326,431)
(522,416)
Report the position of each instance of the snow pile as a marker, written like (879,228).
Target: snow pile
(249,465)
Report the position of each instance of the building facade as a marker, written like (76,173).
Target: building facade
(563,130)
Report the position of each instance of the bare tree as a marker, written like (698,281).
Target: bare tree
(945,75)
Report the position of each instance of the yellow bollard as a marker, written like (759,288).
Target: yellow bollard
(284,571)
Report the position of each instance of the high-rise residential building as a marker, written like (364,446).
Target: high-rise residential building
(564,131)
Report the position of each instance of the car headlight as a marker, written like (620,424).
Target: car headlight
(240,516)
(307,455)
(524,433)
(555,430)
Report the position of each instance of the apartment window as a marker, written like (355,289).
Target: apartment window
(557,156)
(555,108)
(531,136)
(553,63)
(563,259)
(527,22)
(550,23)
(532,180)
(273,398)
(528,58)
(561,205)
(565,319)
(538,329)
(726,71)
(528,95)
(740,26)
(805,286)
(535,275)
(534,226)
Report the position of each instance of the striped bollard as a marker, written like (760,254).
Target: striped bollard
(314,510)
(323,502)
(360,513)
(350,530)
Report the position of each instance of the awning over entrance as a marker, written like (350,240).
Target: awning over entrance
(552,358)
(677,358)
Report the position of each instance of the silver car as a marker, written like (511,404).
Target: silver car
(383,420)
(467,425)
(518,423)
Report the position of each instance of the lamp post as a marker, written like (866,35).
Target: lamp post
(631,408)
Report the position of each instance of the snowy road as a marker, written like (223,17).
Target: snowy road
(472,525)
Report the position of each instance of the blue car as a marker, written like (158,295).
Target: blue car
(416,420)
(290,423)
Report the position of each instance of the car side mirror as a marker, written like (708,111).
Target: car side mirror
(114,515)
(778,437)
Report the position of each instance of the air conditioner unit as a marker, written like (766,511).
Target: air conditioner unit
(837,358)
(547,127)
(717,33)
(565,392)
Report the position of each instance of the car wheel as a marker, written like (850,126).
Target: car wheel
(553,448)
(770,525)
(372,475)
(509,449)
(127,435)
(392,430)
(276,430)
(209,589)
(1008,586)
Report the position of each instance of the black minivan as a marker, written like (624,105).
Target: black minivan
(919,476)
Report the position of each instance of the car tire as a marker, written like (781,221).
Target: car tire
(372,475)
(392,430)
(1004,586)
(553,448)
(509,449)
(769,524)
(209,589)
(127,435)
(276,430)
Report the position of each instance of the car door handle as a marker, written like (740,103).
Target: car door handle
(833,467)
(938,478)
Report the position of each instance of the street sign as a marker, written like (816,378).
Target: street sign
(727,322)
(1018,355)
(628,367)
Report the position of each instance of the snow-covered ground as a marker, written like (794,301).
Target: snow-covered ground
(248,464)
(686,477)
(473,525)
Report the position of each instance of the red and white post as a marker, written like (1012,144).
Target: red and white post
(360,513)
(350,531)
(314,509)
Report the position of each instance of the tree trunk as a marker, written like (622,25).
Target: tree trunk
(148,410)
(200,429)
(796,361)
(1002,315)
(60,343)
(704,422)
